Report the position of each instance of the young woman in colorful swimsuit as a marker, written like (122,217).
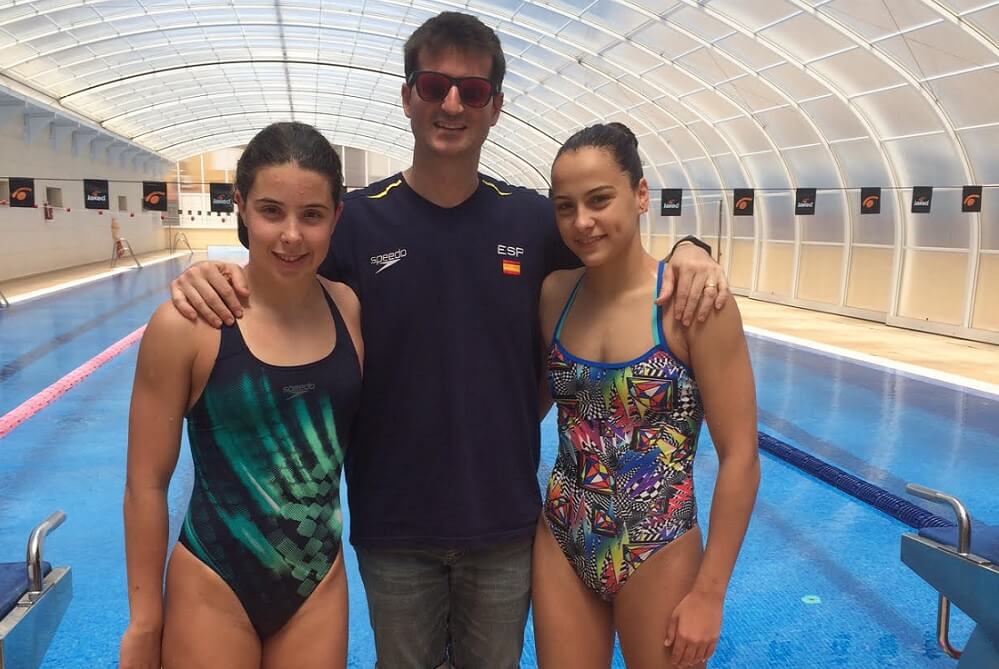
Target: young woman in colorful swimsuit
(256,579)
(618,548)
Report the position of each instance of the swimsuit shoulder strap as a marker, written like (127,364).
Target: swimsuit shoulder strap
(658,336)
(565,310)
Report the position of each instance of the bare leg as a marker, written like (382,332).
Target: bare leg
(572,626)
(205,626)
(643,607)
(316,636)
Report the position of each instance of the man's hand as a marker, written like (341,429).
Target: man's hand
(696,281)
(210,290)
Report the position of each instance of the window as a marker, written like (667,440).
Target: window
(53,196)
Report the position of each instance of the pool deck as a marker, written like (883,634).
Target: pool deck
(949,356)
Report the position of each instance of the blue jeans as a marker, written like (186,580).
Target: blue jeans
(428,606)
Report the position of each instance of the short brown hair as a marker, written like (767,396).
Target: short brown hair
(463,32)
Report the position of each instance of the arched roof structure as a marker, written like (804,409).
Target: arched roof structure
(766,94)
(761,93)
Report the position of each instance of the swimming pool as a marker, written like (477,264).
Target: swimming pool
(818,584)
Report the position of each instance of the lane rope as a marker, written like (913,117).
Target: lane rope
(39,401)
(897,507)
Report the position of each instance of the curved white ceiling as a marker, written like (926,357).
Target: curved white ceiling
(722,93)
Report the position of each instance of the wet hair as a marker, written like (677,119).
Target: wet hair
(454,30)
(283,143)
(615,138)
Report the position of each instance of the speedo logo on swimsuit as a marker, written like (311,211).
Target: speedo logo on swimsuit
(386,260)
(291,392)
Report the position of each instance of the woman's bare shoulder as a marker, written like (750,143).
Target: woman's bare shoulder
(171,338)
(343,295)
(170,325)
(556,287)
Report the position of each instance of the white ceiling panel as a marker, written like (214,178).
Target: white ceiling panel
(704,82)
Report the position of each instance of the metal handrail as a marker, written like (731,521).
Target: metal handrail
(181,237)
(963,547)
(34,553)
(128,247)
(963,518)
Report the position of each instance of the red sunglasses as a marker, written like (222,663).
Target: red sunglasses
(435,86)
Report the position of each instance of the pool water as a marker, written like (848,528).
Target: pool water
(818,584)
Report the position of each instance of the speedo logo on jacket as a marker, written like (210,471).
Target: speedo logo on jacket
(386,260)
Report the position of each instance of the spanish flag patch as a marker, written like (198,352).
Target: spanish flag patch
(511,267)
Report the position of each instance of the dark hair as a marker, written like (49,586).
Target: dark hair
(463,32)
(283,143)
(615,138)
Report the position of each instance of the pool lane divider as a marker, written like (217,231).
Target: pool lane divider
(39,401)
(897,507)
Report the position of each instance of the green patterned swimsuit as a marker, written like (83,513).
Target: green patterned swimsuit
(268,446)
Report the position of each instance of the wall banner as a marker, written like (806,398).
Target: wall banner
(922,199)
(971,199)
(671,201)
(870,200)
(95,194)
(221,195)
(743,202)
(804,202)
(22,192)
(154,196)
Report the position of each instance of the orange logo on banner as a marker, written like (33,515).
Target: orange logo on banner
(972,200)
(743,202)
(21,194)
(871,202)
(154,197)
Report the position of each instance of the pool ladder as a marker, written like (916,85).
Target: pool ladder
(4,302)
(121,245)
(181,238)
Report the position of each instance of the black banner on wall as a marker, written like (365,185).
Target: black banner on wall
(804,202)
(95,194)
(671,201)
(22,192)
(922,199)
(870,200)
(971,199)
(743,199)
(154,196)
(221,195)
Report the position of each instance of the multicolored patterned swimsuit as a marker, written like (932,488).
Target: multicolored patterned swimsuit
(268,446)
(622,487)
